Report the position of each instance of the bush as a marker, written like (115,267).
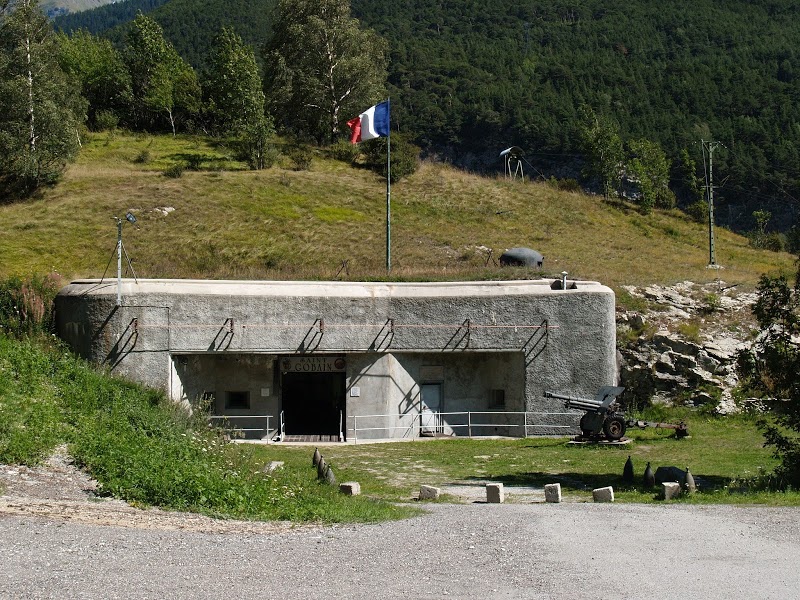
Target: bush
(255,145)
(175,171)
(772,241)
(565,185)
(301,157)
(143,157)
(404,159)
(698,211)
(344,151)
(26,305)
(105,120)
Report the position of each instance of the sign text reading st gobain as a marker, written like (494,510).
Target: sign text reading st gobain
(313,364)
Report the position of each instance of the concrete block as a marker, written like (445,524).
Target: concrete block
(495,493)
(350,488)
(670,490)
(604,494)
(428,492)
(552,492)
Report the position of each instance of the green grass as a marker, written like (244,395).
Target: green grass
(287,224)
(721,453)
(146,450)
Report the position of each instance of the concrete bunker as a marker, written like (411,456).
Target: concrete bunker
(339,361)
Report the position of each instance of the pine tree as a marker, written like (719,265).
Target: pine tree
(40,110)
(321,67)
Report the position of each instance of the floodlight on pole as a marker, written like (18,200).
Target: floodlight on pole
(120,249)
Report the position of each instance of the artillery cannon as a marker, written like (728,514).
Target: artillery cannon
(603,415)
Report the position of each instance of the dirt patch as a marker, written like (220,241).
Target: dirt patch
(58,490)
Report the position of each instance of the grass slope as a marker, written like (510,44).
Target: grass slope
(145,449)
(229,222)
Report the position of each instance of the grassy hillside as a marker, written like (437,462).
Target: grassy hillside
(229,222)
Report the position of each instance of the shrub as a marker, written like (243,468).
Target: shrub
(105,120)
(300,156)
(255,146)
(404,159)
(344,151)
(565,185)
(175,171)
(26,305)
(143,157)
(698,211)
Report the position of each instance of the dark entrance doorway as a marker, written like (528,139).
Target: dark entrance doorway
(313,402)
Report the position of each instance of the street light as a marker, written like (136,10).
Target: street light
(120,248)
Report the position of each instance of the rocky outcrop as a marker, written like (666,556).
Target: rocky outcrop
(683,347)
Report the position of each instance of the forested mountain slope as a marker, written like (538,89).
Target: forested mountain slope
(470,78)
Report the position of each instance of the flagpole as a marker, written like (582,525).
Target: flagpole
(389,193)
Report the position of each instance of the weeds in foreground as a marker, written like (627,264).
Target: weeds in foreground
(146,450)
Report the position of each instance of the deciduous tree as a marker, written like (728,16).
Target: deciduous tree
(321,67)
(40,111)
(163,83)
(233,87)
(648,164)
(602,145)
(103,76)
(770,369)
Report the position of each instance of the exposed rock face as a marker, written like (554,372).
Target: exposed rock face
(686,344)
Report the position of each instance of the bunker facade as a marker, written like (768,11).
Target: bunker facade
(343,360)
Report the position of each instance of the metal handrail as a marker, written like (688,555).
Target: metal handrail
(416,425)
(266,429)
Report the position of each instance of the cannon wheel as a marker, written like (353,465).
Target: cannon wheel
(614,428)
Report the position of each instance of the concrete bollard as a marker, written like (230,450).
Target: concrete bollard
(428,492)
(552,493)
(322,466)
(350,488)
(495,493)
(605,494)
(670,490)
(330,478)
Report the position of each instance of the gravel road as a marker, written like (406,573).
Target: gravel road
(455,551)
(58,542)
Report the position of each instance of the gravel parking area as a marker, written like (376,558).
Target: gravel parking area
(76,548)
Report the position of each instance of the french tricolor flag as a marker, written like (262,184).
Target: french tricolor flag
(371,124)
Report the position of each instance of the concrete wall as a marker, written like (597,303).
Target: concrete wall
(523,337)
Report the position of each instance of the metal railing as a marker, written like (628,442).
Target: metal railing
(227,418)
(416,424)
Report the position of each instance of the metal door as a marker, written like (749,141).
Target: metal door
(431,405)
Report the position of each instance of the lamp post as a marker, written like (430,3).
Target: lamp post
(131,219)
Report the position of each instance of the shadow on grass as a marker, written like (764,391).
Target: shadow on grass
(198,161)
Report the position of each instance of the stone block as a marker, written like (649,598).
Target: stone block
(552,493)
(604,494)
(495,493)
(670,490)
(428,492)
(350,488)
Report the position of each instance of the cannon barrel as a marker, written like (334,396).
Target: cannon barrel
(567,398)
(581,404)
